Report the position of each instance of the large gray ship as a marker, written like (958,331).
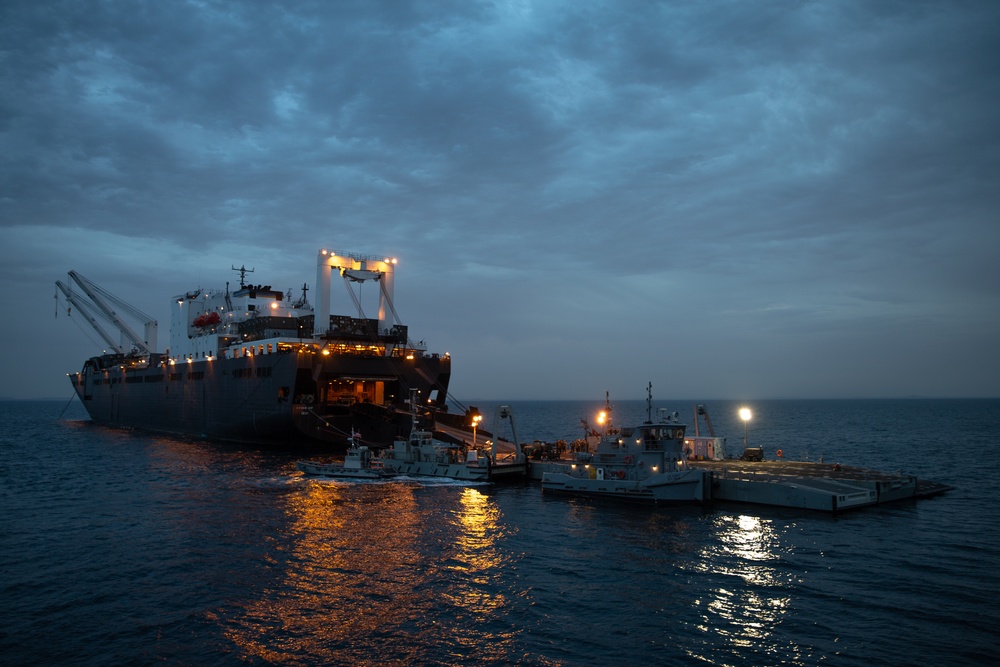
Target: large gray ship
(252,365)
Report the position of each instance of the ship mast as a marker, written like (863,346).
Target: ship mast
(243,273)
(649,403)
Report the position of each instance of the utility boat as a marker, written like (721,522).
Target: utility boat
(359,463)
(645,463)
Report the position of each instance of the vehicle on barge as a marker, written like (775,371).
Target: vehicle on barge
(252,365)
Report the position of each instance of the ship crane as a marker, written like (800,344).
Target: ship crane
(354,276)
(99,298)
(699,411)
(352,267)
(87,309)
(504,412)
(386,297)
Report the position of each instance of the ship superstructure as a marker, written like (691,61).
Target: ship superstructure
(251,364)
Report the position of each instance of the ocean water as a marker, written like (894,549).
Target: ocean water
(119,547)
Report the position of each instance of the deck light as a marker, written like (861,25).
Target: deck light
(475,423)
(745,415)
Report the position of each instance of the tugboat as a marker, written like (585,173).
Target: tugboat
(253,365)
(645,463)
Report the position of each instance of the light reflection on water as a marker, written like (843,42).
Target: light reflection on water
(117,544)
(477,559)
(753,593)
(406,573)
(378,573)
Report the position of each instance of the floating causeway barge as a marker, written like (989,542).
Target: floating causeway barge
(828,487)
(825,487)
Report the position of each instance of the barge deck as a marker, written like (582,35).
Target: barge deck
(826,487)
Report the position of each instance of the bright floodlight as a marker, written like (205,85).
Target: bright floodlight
(475,423)
(745,416)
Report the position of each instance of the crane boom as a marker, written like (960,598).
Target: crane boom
(505,412)
(84,307)
(98,295)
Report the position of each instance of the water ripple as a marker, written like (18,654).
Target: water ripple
(118,547)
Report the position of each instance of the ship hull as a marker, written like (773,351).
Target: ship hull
(459,471)
(683,487)
(283,398)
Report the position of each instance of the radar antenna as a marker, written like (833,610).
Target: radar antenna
(243,273)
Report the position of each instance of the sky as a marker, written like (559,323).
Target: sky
(728,200)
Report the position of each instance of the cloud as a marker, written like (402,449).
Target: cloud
(790,174)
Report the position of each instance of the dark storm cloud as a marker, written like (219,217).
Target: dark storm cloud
(808,178)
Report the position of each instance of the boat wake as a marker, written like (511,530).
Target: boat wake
(405,479)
